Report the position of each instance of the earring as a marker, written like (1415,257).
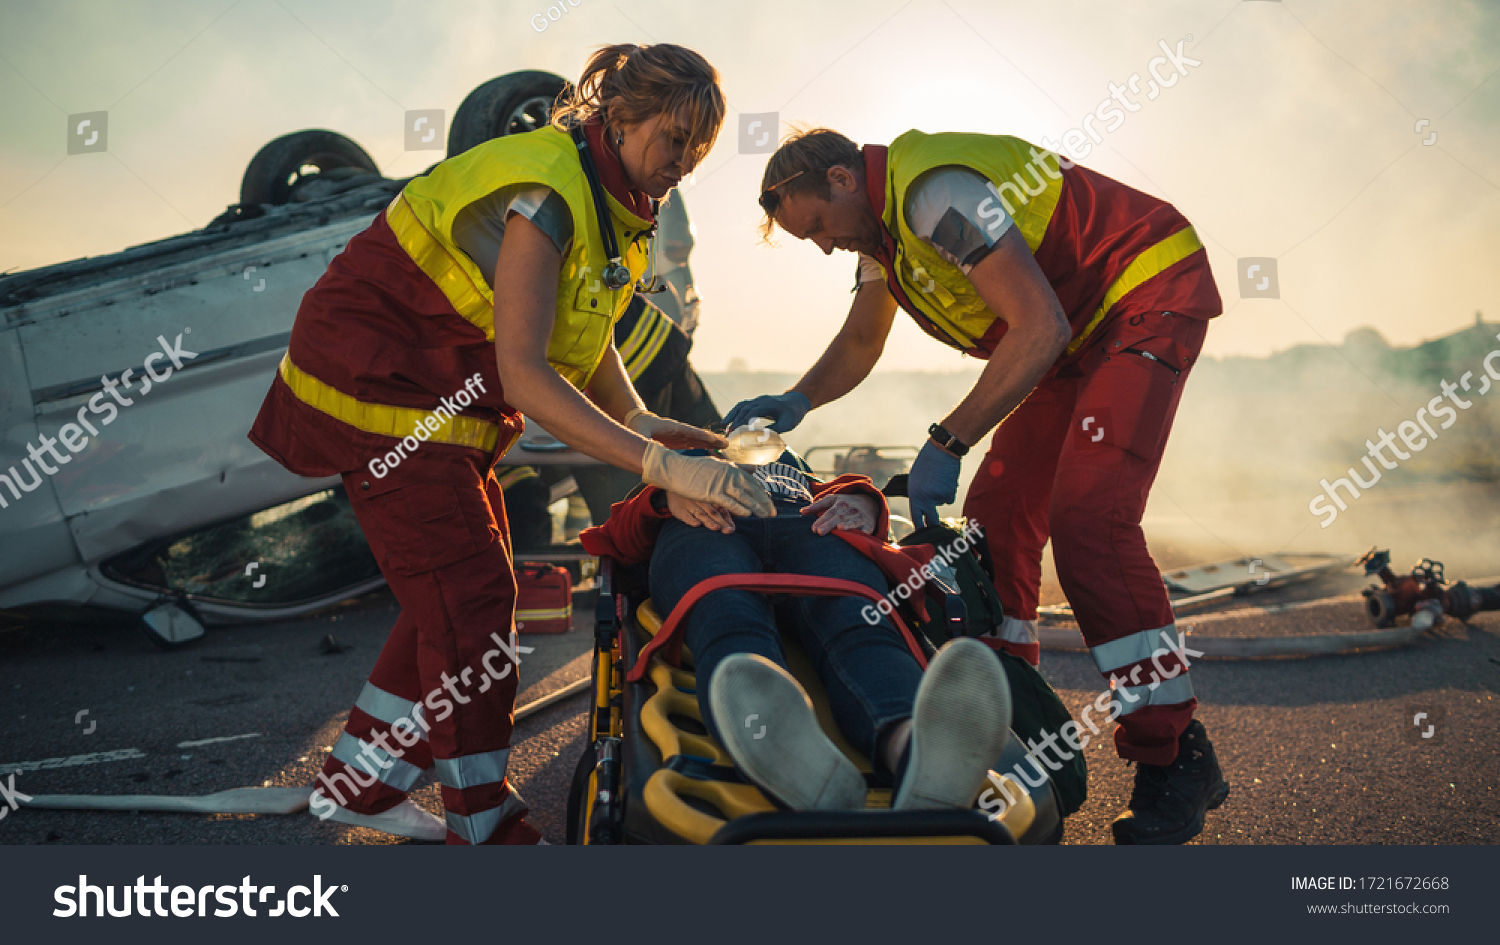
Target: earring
(619,141)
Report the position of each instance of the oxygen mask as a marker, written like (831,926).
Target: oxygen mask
(754,444)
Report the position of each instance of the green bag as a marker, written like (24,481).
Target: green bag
(1036,708)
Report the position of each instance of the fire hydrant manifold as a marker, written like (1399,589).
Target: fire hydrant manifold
(1422,593)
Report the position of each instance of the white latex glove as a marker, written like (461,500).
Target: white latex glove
(706,479)
(672,434)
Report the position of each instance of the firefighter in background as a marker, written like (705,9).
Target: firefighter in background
(1089,302)
(527,496)
(489,287)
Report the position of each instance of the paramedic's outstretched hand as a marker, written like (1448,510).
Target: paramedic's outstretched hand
(707,480)
(699,514)
(671,434)
(784,410)
(933,481)
(849,511)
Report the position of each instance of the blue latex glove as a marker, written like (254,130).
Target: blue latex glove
(933,481)
(786,410)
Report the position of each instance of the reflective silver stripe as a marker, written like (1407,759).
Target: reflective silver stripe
(388,708)
(487,767)
(1136,647)
(372,759)
(477,828)
(1016,631)
(554,614)
(1177,689)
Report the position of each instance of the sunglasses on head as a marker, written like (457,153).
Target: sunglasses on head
(770,199)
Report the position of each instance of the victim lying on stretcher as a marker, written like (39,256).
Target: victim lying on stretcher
(931,731)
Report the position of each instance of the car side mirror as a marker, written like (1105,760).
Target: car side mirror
(170,625)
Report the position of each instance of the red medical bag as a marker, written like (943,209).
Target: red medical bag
(544,599)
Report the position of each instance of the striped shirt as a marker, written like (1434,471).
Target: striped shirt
(784,481)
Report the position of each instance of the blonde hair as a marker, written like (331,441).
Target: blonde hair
(800,166)
(625,84)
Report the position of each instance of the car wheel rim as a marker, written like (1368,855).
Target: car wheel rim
(530,115)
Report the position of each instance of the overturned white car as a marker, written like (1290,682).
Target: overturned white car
(128,382)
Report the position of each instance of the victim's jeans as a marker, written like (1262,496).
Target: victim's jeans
(870,675)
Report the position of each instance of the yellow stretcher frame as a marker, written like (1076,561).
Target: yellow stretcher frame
(667,791)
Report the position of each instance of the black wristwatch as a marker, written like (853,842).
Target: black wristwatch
(947,440)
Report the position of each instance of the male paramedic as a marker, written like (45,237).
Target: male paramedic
(1088,301)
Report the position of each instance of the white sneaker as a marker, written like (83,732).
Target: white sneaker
(770,730)
(406,819)
(960,722)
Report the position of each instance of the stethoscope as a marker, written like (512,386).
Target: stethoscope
(616,274)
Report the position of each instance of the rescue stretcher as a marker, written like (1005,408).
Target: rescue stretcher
(651,773)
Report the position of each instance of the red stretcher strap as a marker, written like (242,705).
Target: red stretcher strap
(668,639)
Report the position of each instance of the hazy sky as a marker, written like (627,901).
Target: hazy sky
(1295,138)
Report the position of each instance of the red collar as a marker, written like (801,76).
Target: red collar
(875,158)
(612,173)
(875,170)
(875,183)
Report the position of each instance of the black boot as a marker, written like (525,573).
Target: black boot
(1168,803)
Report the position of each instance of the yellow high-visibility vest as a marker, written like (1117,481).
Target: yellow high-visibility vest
(422,218)
(1030,188)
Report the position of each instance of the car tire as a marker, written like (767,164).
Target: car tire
(279,167)
(510,104)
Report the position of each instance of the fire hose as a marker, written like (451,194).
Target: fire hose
(262,800)
(1422,594)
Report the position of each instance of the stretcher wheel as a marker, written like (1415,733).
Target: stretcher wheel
(590,814)
(577,795)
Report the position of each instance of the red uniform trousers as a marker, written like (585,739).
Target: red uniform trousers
(1075,462)
(442,693)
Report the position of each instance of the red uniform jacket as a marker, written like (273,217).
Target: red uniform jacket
(1097,229)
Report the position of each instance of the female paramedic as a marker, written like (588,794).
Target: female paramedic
(487,289)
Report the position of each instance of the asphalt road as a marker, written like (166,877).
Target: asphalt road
(1317,750)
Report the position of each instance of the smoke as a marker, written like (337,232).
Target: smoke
(1252,440)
